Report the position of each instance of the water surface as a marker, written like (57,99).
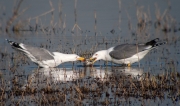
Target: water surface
(84,27)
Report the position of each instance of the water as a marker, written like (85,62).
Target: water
(97,25)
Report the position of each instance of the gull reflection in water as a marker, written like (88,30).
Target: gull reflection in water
(50,76)
(133,72)
(55,77)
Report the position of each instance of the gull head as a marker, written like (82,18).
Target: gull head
(98,56)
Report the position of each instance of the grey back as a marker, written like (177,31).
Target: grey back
(126,50)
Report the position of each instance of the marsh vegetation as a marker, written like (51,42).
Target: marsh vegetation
(84,27)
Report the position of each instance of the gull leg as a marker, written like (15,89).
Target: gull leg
(129,64)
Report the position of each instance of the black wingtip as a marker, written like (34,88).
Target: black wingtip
(156,42)
(153,42)
(14,44)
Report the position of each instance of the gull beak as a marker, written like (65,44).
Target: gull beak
(92,59)
(81,59)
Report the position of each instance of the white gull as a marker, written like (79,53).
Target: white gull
(43,57)
(126,53)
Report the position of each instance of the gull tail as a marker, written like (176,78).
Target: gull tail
(14,44)
(155,43)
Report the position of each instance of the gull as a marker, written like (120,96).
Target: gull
(43,57)
(126,53)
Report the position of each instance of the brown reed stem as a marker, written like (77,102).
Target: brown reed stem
(15,15)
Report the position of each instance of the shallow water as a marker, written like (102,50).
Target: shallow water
(152,81)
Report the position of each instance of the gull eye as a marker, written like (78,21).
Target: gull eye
(96,54)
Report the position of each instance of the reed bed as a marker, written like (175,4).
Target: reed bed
(18,88)
(106,90)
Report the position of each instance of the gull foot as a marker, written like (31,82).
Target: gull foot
(129,65)
(126,65)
